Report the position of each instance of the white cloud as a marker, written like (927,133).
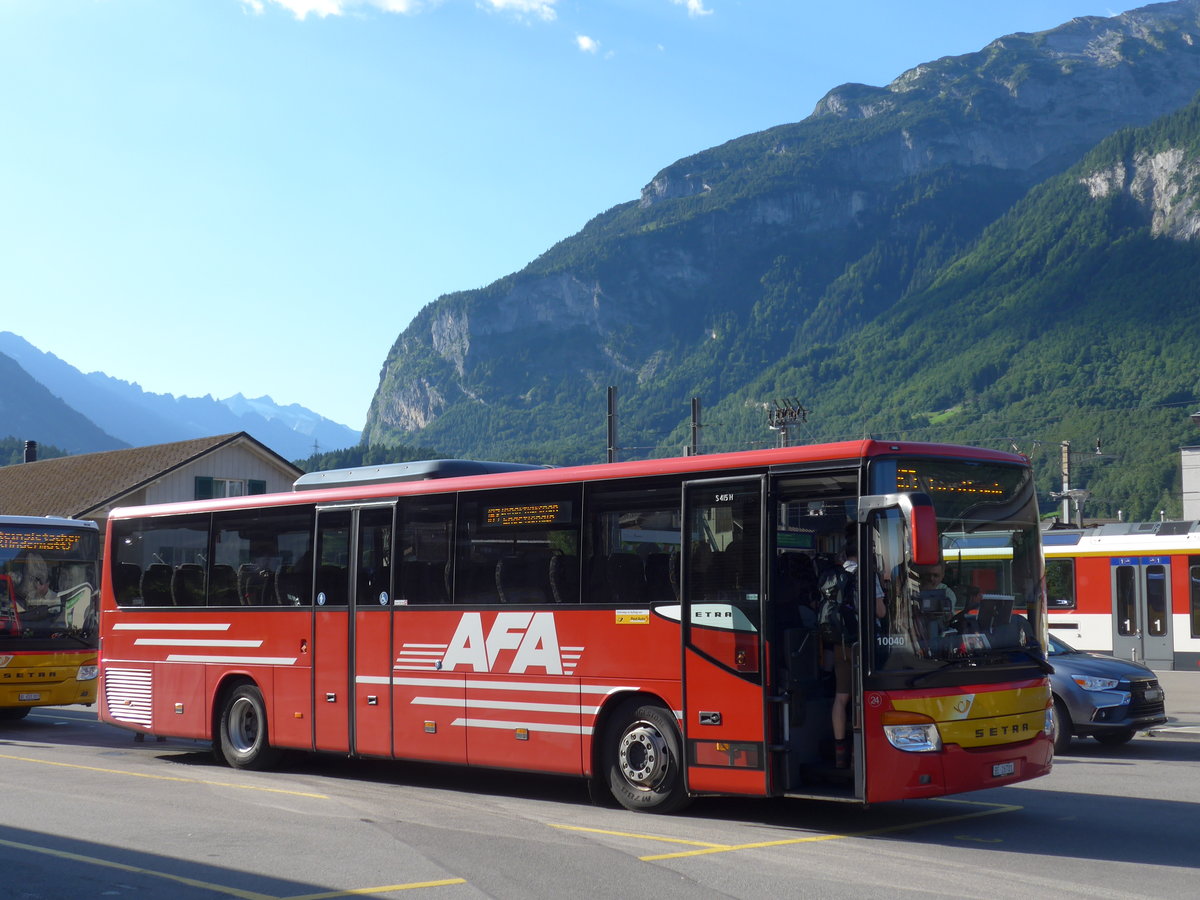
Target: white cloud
(587,44)
(542,9)
(694,7)
(301,9)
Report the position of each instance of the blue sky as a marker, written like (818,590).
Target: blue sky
(214,196)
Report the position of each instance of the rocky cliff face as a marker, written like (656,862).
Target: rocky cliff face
(1164,186)
(795,235)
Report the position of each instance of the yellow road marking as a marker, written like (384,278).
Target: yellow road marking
(220,888)
(990,809)
(378,890)
(243,787)
(647,837)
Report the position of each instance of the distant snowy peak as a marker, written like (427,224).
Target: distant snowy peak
(294,416)
(138,418)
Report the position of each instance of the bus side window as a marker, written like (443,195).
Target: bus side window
(507,541)
(631,543)
(425,533)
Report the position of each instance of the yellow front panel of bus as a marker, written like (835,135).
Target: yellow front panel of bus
(983,719)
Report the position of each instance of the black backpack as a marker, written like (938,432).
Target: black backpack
(837,620)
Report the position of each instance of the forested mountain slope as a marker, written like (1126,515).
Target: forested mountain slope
(905,260)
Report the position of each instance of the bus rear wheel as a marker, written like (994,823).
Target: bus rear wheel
(643,759)
(243,732)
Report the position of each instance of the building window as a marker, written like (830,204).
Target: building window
(207,487)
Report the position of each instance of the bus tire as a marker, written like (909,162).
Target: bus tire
(643,759)
(1062,728)
(244,742)
(14,713)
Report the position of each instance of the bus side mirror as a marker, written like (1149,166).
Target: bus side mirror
(921,518)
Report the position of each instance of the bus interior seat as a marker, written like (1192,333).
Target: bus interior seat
(564,578)
(223,586)
(187,585)
(156,585)
(626,578)
(127,581)
(661,583)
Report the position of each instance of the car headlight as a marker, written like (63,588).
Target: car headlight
(1095,683)
(87,673)
(911,732)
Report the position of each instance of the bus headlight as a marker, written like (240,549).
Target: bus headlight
(911,732)
(87,673)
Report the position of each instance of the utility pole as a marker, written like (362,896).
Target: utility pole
(1066,482)
(612,424)
(694,449)
(786,413)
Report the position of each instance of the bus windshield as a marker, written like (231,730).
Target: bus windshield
(982,604)
(48,596)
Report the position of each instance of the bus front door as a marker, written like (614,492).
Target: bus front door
(1141,594)
(724,719)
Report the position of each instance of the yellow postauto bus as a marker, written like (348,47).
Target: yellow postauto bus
(48,613)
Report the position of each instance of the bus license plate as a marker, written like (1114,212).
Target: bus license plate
(29,696)
(1000,770)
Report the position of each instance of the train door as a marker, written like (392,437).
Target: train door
(724,719)
(1141,596)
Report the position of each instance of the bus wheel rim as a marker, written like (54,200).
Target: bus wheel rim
(243,725)
(644,756)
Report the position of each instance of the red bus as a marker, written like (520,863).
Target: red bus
(1131,589)
(48,613)
(648,625)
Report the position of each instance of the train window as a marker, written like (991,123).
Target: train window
(1060,583)
(1157,613)
(1126,601)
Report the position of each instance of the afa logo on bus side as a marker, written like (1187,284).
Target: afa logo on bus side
(532,635)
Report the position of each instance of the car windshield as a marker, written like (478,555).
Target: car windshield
(983,603)
(1056,646)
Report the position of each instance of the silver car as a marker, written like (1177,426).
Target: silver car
(1107,698)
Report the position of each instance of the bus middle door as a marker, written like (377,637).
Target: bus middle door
(724,719)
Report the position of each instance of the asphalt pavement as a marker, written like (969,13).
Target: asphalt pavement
(1183,705)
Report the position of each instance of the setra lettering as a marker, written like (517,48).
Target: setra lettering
(1002,730)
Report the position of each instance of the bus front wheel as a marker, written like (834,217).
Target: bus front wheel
(643,759)
(243,734)
(14,713)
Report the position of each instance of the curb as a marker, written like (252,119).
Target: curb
(1180,732)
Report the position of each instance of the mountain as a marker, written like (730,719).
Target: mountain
(891,261)
(29,412)
(138,418)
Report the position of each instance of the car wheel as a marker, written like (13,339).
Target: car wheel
(1062,728)
(1115,738)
